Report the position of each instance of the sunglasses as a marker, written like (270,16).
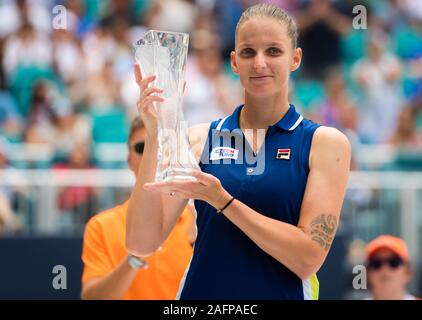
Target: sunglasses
(377,263)
(139,147)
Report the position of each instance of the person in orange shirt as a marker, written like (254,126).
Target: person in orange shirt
(110,272)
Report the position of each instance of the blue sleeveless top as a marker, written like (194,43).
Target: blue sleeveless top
(226,264)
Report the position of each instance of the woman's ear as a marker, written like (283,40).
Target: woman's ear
(233,63)
(297,59)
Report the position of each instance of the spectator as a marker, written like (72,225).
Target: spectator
(378,75)
(123,56)
(412,7)
(227,13)
(389,14)
(110,272)
(13,13)
(8,219)
(26,47)
(47,108)
(171,15)
(210,92)
(67,54)
(10,119)
(406,134)
(79,201)
(102,89)
(80,22)
(338,109)
(74,129)
(322,23)
(407,41)
(120,10)
(389,269)
(98,48)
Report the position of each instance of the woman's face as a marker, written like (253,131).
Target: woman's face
(264,57)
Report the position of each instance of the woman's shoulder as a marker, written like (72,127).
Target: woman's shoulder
(330,152)
(197,138)
(198,131)
(329,139)
(326,133)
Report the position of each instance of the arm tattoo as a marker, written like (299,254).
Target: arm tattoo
(323,229)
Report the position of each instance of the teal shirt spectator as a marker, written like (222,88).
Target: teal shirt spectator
(8,113)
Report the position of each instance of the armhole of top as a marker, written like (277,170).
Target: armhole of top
(306,151)
(207,146)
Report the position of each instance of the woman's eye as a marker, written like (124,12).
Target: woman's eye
(274,51)
(247,52)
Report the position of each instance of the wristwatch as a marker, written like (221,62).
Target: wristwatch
(136,263)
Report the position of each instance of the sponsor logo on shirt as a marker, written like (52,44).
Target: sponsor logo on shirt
(283,154)
(223,153)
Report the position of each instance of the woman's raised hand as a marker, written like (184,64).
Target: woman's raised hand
(145,105)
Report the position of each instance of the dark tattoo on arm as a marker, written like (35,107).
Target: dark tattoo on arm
(323,229)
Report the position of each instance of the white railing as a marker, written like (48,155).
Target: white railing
(45,152)
(59,200)
(376,202)
(368,156)
(403,189)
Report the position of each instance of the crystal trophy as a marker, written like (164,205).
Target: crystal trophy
(164,55)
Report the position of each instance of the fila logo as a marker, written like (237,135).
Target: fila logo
(283,154)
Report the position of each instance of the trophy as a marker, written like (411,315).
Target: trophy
(164,55)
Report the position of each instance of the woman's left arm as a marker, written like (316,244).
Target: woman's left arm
(302,248)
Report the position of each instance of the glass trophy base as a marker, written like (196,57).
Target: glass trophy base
(173,174)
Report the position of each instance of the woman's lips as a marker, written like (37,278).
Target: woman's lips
(260,78)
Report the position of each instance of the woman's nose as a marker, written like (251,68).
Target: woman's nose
(259,61)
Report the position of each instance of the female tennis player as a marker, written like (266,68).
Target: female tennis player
(264,229)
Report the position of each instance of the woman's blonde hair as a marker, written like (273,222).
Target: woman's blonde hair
(265,10)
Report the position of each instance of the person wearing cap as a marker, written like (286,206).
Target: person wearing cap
(389,269)
(110,272)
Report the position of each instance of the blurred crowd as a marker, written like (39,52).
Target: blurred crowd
(73,88)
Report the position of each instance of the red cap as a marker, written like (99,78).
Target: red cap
(397,245)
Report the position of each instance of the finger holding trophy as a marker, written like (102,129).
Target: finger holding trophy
(145,105)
